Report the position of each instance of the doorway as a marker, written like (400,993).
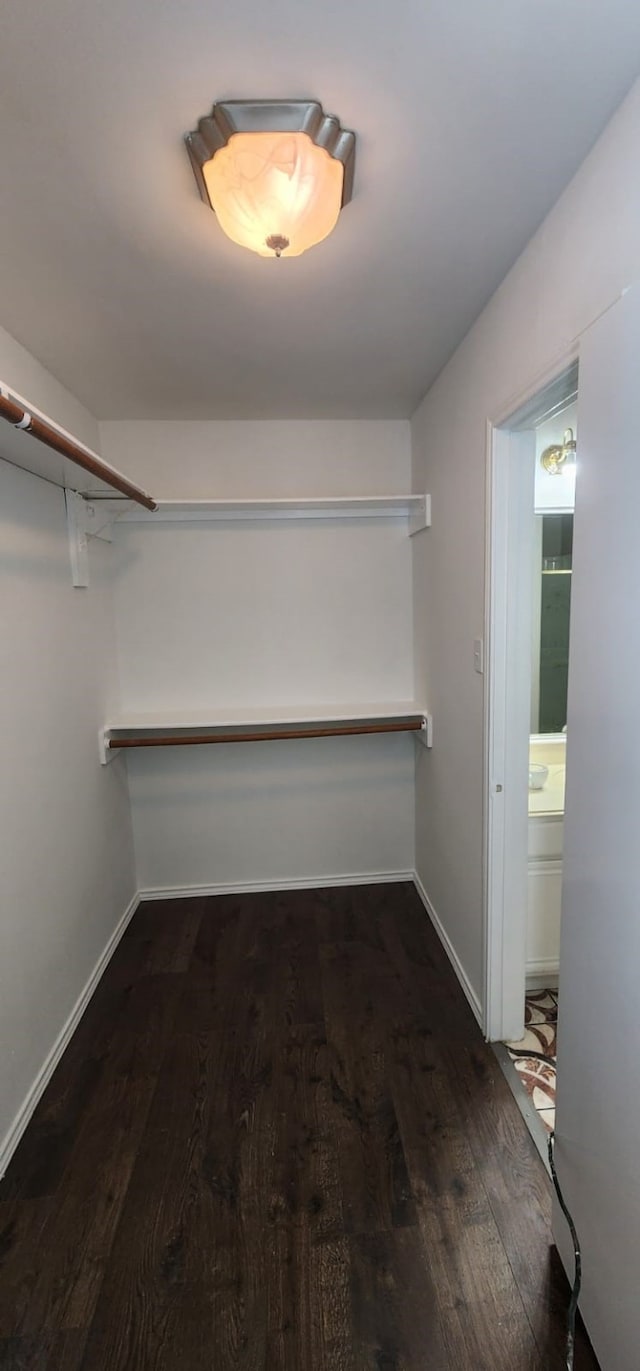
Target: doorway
(530,514)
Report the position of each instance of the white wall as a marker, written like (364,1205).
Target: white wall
(264,614)
(66,874)
(18,369)
(275,458)
(598,1115)
(584,254)
(252,614)
(262,813)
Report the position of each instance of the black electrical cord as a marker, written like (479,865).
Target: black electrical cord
(577,1280)
(529,1052)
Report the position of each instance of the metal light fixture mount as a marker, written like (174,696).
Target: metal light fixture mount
(555,457)
(275,172)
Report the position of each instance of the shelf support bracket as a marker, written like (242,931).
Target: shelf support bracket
(105,753)
(420,518)
(77,534)
(425,735)
(88,518)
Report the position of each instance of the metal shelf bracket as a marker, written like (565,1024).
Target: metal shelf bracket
(88,518)
(425,735)
(421,517)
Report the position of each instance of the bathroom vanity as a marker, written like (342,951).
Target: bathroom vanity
(546,823)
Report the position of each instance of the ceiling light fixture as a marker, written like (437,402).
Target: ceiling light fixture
(275,172)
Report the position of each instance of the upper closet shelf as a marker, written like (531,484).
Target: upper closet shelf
(34,442)
(417,508)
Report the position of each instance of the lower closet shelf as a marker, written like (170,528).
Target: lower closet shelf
(169,729)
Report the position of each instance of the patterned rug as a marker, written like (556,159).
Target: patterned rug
(534,1056)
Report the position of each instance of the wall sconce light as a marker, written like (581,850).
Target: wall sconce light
(554,458)
(275,172)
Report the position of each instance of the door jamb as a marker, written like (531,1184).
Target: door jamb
(506,705)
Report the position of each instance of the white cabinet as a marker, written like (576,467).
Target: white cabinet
(544,895)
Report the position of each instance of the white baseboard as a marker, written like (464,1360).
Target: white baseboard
(179,892)
(543,966)
(450,951)
(12,1137)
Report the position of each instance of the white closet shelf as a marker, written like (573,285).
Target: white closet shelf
(262,716)
(93,515)
(147,729)
(41,446)
(415,507)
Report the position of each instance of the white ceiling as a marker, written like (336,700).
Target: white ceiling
(471,116)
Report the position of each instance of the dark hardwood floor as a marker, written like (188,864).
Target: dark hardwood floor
(277,1142)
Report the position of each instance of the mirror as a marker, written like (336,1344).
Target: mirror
(553,549)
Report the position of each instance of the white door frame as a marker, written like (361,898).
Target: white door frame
(508,625)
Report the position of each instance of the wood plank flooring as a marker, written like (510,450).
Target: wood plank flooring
(277,1142)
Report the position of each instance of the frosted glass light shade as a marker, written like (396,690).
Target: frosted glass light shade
(275,172)
(275,188)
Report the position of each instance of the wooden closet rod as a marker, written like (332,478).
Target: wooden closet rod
(321,731)
(21,418)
